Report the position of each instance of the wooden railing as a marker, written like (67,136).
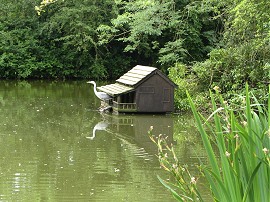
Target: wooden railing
(125,107)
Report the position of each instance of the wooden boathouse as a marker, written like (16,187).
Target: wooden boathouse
(143,89)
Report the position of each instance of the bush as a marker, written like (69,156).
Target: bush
(187,81)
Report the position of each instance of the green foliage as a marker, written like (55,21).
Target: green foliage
(42,5)
(61,43)
(237,143)
(172,51)
(178,74)
(249,20)
(244,56)
(70,28)
(163,31)
(230,68)
(18,44)
(242,139)
(185,79)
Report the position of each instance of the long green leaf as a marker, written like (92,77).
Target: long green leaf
(269,109)
(251,181)
(206,142)
(217,186)
(250,125)
(218,127)
(174,193)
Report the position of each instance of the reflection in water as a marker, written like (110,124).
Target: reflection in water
(135,128)
(132,131)
(46,157)
(99,126)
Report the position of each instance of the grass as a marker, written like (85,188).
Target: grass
(237,145)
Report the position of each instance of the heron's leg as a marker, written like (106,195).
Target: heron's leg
(102,105)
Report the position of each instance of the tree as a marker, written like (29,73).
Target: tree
(164,32)
(42,5)
(244,56)
(19,46)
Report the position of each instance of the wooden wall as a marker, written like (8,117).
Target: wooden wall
(155,95)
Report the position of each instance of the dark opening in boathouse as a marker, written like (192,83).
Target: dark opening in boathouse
(142,89)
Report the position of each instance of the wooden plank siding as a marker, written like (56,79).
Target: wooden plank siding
(154,100)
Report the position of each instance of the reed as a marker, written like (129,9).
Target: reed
(237,143)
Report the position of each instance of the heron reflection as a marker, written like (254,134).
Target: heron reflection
(99,126)
(133,130)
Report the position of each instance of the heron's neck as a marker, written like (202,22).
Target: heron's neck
(95,88)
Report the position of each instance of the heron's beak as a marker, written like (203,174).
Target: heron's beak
(88,82)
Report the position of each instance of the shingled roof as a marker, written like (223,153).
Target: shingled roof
(131,79)
(135,75)
(115,89)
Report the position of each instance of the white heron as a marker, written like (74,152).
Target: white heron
(99,126)
(101,95)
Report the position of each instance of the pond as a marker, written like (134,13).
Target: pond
(56,146)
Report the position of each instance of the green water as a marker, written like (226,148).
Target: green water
(56,146)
